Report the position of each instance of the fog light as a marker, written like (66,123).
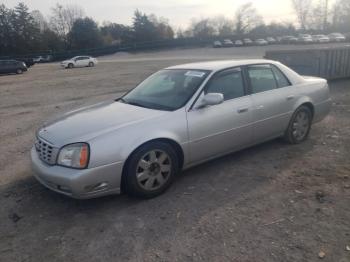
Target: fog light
(97,187)
(64,189)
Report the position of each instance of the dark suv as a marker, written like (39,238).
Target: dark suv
(12,66)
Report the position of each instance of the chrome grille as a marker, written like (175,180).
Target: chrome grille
(47,152)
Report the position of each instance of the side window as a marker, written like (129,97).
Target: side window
(229,83)
(261,78)
(281,79)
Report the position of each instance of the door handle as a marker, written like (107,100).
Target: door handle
(290,97)
(242,110)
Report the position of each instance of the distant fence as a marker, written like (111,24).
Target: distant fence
(137,46)
(329,63)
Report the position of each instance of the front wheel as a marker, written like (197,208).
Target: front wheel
(151,170)
(70,66)
(299,126)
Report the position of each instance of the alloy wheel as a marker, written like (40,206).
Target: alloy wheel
(301,125)
(153,170)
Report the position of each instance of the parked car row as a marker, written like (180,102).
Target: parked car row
(288,39)
(19,66)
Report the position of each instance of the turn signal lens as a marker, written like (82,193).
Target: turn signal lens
(84,156)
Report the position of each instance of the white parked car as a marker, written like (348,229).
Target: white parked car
(261,42)
(305,39)
(271,40)
(79,61)
(336,37)
(217,44)
(239,43)
(320,39)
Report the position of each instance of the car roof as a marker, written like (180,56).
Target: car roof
(220,65)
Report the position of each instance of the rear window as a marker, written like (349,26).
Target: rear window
(261,78)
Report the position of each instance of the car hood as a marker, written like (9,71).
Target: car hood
(87,123)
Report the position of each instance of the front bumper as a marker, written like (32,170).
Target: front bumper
(76,183)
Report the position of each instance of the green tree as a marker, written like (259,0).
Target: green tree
(6,30)
(27,33)
(144,29)
(85,34)
(113,33)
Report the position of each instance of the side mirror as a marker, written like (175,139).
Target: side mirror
(211,99)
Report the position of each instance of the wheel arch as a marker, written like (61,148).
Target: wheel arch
(310,106)
(305,101)
(175,145)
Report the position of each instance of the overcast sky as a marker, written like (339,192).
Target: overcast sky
(179,12)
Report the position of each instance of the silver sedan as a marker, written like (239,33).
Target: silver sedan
(177,118)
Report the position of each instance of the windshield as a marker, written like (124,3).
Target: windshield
(166,89)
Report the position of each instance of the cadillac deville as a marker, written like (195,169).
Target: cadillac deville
(178,117)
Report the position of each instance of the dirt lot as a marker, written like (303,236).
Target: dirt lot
(272,202)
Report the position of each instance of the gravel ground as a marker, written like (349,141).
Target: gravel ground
(272,202)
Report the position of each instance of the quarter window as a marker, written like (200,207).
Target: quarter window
(281,79)
(229,83)
(261,78)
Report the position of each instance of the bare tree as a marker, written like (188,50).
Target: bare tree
(318,16)
(302,9)
(222,25)
(341,15)
(202,28)
(63,18)
(246,18)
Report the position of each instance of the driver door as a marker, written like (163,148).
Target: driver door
(219,129)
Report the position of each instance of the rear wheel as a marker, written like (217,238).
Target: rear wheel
(91,64)
(299,126)
(151,170)
(19,71)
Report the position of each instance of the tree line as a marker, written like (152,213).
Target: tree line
(68,28)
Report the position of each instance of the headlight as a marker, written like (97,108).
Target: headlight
(74,156)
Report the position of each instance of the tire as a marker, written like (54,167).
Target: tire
(70,66)
(19,71)
(91,64)
(144,177)
(299,125)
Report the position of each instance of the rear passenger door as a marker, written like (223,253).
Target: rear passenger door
(272,98)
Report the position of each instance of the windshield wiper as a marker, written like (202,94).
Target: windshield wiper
(135,104)
(155,107)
